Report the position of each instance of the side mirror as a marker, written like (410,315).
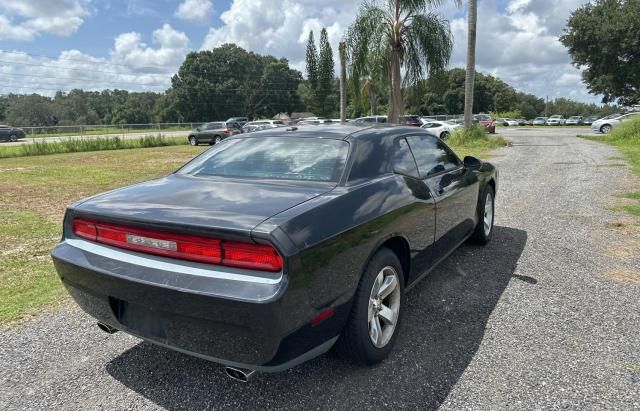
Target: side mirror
(472,163)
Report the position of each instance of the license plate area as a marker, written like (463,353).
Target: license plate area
(141,320)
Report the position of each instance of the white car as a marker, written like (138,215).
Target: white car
(363,121)
(539,121)
(605,125)
(556,120)
(261,125)
(440,129)
(507,122)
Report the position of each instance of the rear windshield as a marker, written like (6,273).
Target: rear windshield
(281,158)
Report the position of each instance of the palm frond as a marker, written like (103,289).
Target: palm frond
(427,47)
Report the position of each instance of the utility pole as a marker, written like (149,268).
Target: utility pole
(546,108)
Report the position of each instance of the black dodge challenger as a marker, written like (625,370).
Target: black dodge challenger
(270,248)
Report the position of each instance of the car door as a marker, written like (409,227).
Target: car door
(454,188)
(4,133)
(420,225)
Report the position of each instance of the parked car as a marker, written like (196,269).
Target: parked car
(607,124)
(486,120)
(261,125)
(507,122)
(241,121)
(12,134)
(589,120)
(370,119)
(263,252)
(212,133)
(556,120)
(540,121)
(575,121)
(440,129)
(410,120)
(521,122)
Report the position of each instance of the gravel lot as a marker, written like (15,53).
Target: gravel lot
(547,316)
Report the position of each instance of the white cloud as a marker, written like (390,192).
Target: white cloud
(131,51)
(132,65)
(520,45)
(281,28)
(27,19)
(195,10)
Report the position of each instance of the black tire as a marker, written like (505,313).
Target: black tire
(217,139)
(193,141)
(444,135)
(355,343)
(13,138)
(605,129)
(480,234)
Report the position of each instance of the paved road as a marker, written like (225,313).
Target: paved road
(545,317)
(126,136)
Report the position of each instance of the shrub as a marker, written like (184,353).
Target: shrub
(475,137)
(40,148)
(628,131)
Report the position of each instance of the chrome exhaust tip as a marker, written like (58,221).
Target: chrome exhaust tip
(107,328)
(239,374)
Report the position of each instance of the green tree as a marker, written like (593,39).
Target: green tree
(400,35)
(326,73)
(311,58)
(603,39)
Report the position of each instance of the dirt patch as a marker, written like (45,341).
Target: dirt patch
(625,276)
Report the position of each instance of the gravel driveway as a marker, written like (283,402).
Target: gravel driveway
(546,316)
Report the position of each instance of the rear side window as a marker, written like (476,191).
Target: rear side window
(280,158)
(403,161)
(432,155)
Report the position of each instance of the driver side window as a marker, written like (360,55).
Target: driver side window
(432,155)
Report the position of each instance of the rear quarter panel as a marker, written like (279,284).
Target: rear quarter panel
(336,234)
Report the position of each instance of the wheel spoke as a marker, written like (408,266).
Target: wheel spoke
(377,284)
(375,331)
(390,283)
(388,315)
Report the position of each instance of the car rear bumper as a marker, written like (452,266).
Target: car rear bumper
(254,323)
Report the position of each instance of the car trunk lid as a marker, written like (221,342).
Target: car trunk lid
(211,205)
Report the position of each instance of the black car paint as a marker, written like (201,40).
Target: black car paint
(7,133)
(325,233)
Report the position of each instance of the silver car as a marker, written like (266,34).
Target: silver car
(540,121)
(607,124)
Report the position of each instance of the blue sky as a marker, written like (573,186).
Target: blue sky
(138,44)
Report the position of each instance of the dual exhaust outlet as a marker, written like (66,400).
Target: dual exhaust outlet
(235,373)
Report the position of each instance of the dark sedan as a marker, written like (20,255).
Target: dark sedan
(213,133)
(274,246)
(12,134)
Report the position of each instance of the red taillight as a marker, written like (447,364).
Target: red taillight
(226,132)
(185,247)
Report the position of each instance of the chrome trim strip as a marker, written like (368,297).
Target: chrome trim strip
(161,263)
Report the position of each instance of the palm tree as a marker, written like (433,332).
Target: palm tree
(471,64)
(370,89)
(342,50)
(396,36)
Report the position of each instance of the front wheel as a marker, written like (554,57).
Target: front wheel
(606,129)
(372,328)
(444,135)
(484,229)
(13,138)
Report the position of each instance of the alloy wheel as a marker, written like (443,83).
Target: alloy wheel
(488,214)
(384,306)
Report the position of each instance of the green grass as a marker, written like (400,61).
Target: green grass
(626,138)
(474,142)
(102,131)
(39,148)
(34,193)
